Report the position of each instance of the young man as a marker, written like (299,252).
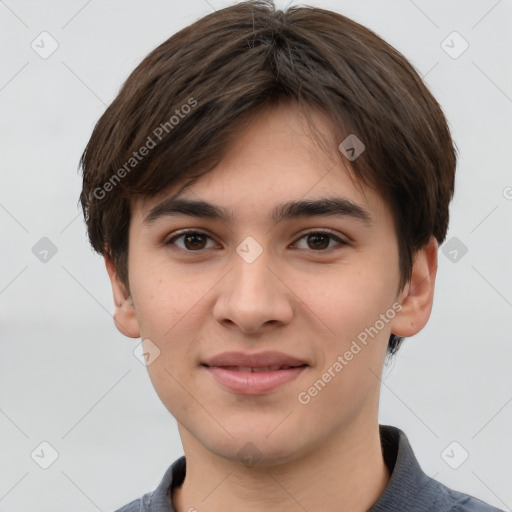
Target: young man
(269,190)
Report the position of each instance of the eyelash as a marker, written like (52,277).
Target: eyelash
(328,233)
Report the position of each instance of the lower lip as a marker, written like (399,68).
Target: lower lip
(254,383)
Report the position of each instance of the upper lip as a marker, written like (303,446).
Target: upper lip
(258,360)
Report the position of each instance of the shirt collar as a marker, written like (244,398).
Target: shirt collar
(409,487)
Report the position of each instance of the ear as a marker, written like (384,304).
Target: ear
(417,296)
(125,318)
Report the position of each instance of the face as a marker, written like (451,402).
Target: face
(316,290)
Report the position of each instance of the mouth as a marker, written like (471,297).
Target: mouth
(253,374)
(265,361)
(256,369)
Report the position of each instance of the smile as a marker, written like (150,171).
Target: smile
(253,381)
(255,369)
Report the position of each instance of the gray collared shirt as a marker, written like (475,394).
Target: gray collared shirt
(409,488)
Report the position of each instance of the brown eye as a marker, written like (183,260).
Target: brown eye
(192,241)
(320,241)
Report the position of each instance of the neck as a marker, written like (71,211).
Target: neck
(346,473)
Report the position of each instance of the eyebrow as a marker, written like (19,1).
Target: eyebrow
(329,206)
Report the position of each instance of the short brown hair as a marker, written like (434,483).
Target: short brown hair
(184,101)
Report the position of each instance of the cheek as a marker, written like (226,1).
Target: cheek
(163,296)
(351,296)
(350,302)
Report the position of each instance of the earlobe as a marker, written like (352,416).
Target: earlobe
(125,318)
(417,296)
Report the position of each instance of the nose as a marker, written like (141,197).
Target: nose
(253,296)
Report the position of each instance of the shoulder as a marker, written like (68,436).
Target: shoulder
(410,488)
(159,500)
(133,506)
(455,501)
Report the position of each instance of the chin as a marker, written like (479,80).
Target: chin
(253,447)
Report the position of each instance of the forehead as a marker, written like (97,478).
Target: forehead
(272,160)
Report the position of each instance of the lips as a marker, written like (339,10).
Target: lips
(253,374)
(262,361)
(255,369)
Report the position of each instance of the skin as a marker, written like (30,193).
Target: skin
(294,298)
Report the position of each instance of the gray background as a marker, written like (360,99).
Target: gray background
(70,379)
